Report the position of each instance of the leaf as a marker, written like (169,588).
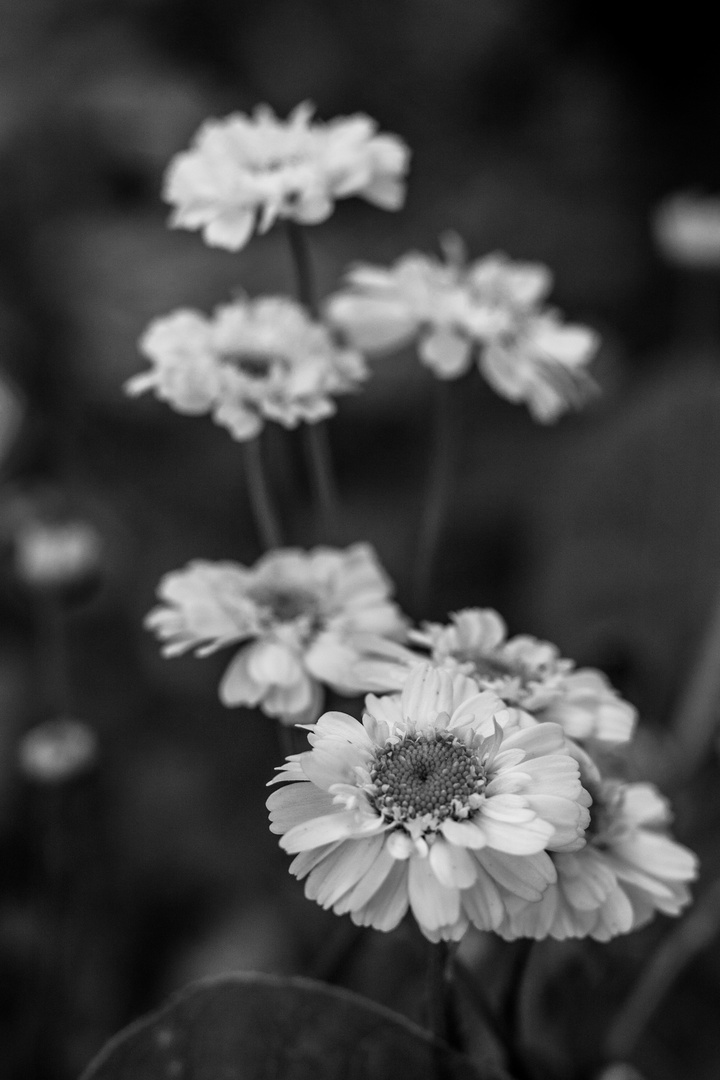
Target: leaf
(263,1027)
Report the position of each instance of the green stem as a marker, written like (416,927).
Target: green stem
(437,990)
(317,444)
(438,489)
(263,512)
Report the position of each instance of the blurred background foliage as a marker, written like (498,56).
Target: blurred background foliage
(546,130)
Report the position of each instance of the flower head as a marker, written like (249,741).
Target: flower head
(304,619)
(437,801)
(254,360)
(687,229)
(57,750)
(530,674)
(492,308)
(244,172)
(629,869)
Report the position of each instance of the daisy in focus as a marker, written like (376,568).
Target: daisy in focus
(436,802)
(303,619)
(254,360)
(531,675)
(243,172)
(491,310)
(629,869)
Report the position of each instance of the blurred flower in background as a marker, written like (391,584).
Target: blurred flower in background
(686,227)
(245,172)
(530,674)
(60,553)
(307,619)
(57,750)
(492,307)
(254,360)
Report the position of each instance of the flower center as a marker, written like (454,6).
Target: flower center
(286,604)
(436,775)
(253,365)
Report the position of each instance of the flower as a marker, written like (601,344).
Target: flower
(629,869)
(304,618)
(436,801)
(687,229)
(49,554)
(244,172)
(57,750)
(492,307)
(530,674)
(254,360)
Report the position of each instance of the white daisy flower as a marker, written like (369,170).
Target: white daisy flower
(687,229)
(305,619)
(629,869)
(431,803)
(530,674)
(254,360)
(491,309)
(243,172)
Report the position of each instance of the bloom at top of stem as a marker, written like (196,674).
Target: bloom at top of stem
(244,172)
(254,360)
(492,308)
(530,674)
(629,869)
(437,801)
(303,618)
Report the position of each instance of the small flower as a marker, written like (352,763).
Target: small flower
(51,554)
(491,308)
(687,229)
(57,750)
(305,619)
(244,172)
(629,869)
(530,674)
(254,360)
(437,801)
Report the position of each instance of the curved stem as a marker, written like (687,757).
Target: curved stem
(437,493)
(304,276)
(265,519)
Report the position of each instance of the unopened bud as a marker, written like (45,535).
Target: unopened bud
(56,554)
(57,750)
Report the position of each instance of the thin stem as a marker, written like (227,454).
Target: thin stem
(316,437)
(322,478)
(265,519)
(437,493)
(302,264)
(695,933)
(698,712)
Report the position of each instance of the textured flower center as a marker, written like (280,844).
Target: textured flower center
(285,605)
(433,775)
(254,365)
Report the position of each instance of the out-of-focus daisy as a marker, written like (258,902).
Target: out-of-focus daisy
(432,803)
(629,869)
(244,172)
(491,309)
(57,750)
(254,360)
(52,554)
(305,619)
(687,229)
(530,674)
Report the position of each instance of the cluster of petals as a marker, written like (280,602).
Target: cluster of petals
(244,172)
(531,675)
(304,619)
(438,802)
(492,309)
(254,360)
(629,869)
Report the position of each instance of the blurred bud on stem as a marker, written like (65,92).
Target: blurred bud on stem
(57,750)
